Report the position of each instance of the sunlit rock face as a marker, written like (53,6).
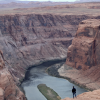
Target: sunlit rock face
(84,52)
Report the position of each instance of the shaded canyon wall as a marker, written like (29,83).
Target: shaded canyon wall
(8,87)
(28,39)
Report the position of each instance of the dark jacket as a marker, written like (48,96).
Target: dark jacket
(73,90)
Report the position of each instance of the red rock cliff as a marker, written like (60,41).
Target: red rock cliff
(94,95)
(84,52)
(83,56)
(8,87)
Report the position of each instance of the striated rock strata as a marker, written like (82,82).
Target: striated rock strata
(84,52)
(30,39)
(8,87)
(83,59)
(84,55)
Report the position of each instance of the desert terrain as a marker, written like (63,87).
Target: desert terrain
(91,9)
(30,36)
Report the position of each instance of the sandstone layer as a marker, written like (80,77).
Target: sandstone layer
(28,39)
(8,87)
(84,52)
(82,64)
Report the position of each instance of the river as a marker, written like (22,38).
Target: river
(36,75)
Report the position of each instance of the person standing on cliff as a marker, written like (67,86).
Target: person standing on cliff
(74,92)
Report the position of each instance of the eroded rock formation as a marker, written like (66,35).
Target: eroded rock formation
(31,39)
(84,52)
(8,88)
(95,95)
(84,55)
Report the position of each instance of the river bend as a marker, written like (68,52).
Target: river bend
(37,75)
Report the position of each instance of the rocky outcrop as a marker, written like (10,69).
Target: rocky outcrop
(88,79)
(84,53)
(95,95)
(83,56)
(8,88)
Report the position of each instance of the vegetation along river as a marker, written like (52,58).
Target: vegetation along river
(36,75)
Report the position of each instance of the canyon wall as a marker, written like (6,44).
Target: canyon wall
(83,57)
(8,87)
(29,39)
(84,52)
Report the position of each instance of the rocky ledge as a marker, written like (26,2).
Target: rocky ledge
(95,95)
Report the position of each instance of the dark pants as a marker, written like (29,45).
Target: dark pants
(74,94)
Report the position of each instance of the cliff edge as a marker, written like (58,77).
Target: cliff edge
(95,95)
(84,52)
(8,87)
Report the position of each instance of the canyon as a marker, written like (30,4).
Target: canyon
(29,37)
(26,40)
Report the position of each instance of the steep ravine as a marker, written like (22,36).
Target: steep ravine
(30,39)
